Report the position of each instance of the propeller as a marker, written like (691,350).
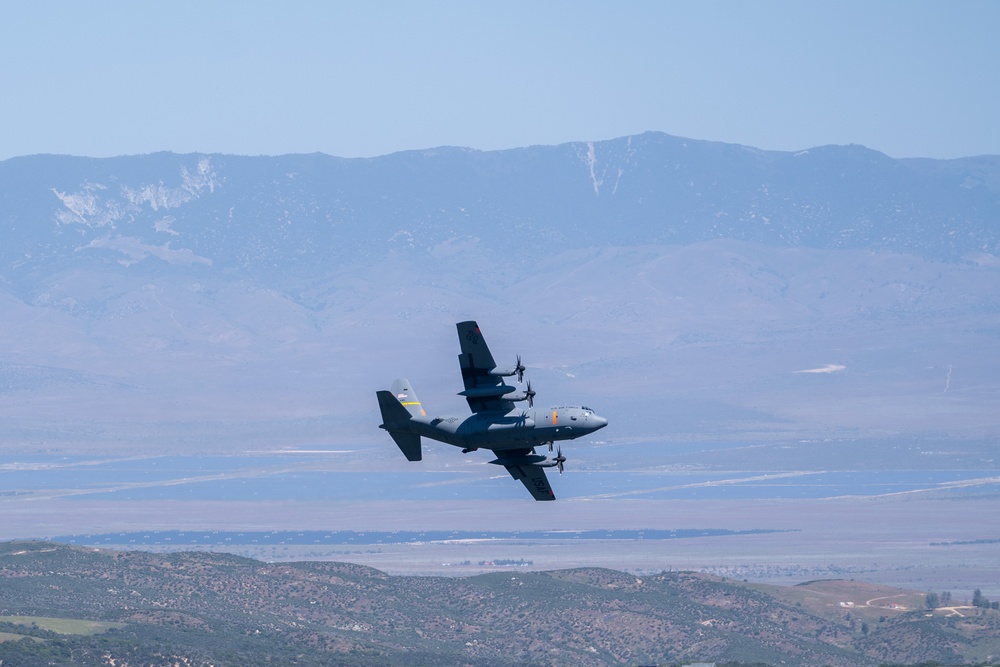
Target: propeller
(560,460)
(519,370)
(530,395)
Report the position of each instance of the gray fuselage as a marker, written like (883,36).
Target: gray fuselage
(514,429)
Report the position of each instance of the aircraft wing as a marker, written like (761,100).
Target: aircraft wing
(532,476)
(484,389)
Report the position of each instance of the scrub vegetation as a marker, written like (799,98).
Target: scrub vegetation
(70,605)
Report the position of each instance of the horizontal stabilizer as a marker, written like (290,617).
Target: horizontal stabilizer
(396,420)
(409,444)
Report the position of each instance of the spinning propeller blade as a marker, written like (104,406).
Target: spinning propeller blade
(560,460)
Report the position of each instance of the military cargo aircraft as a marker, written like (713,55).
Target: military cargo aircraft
(496,423)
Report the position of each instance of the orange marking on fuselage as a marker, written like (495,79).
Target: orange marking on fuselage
(553,417)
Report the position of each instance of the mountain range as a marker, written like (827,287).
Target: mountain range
(687,287)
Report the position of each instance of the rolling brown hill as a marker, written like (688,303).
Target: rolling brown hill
(208,608)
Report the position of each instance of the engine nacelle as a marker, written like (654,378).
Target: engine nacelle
(536,460)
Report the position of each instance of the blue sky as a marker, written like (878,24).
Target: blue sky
(359,78)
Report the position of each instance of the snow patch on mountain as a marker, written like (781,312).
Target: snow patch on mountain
(829,368)
(88,207)
(134,250)
(93,206)
(156,197)
(591,161)
(159,196)
(203,177)
(164,226)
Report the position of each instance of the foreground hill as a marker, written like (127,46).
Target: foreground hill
(205,608)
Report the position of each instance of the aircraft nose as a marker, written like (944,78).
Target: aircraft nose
(598,422)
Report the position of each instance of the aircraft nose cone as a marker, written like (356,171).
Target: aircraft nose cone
(598,422)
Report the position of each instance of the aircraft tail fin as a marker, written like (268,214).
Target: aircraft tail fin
(398,407)
(403,391)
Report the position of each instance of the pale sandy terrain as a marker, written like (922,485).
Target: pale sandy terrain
(895,540)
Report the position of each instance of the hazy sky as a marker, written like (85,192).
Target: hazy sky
(908,78)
